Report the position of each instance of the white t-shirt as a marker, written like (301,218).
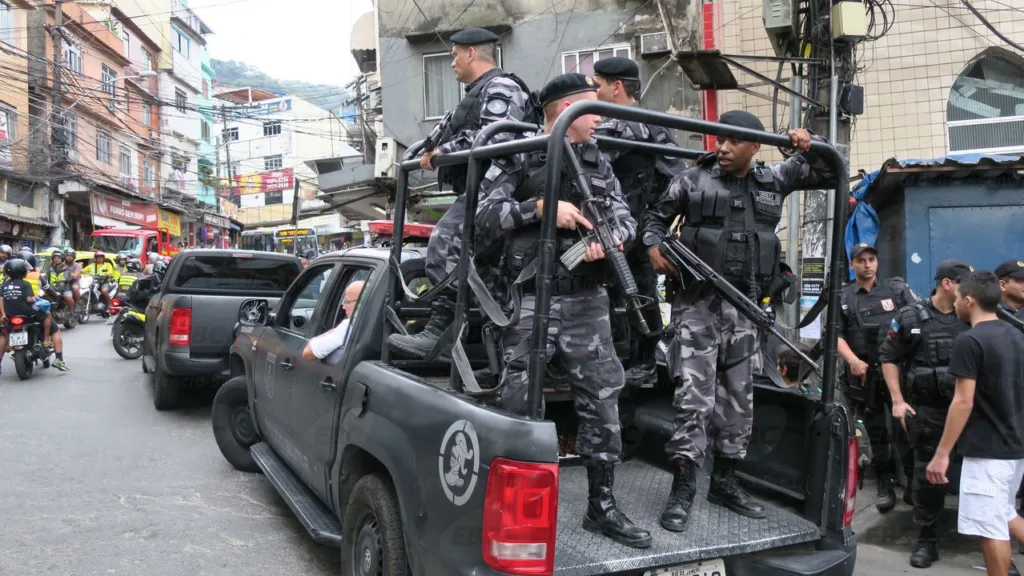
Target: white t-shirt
(329,341)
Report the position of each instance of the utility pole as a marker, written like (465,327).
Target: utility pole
(56,127)
(227,148)
(367,157)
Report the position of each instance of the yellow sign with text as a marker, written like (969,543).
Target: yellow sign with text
(171,221)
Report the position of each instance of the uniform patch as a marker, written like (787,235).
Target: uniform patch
(767,197)
(595,181)
(607,125)
(661,137)
(888,305)
(492,173)
(500,91)
(497,106)
(894,328)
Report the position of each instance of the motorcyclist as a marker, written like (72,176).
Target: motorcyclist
(132,271)
(104,273)
(5,253)
(57,277)
(75,271)
(18,300)
(35,279)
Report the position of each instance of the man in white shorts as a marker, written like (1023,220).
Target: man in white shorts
(986,416)
(321,346)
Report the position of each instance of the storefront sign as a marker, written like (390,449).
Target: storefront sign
(214,220)
(260,182)
(130,211)
(812,284)
(171,221)
(228,208)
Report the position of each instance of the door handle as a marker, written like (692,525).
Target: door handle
(328,385)
(287,365)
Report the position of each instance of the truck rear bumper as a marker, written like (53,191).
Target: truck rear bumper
(182,364)
(800,560)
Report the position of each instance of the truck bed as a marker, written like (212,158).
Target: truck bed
(641,490)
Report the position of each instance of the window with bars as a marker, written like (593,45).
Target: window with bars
(442,91)
(273,162)
(149,174)
(230,134)
(125,161)
(103,153)
(109,78)
(985,110)
(180,100)
(272,128)
(6,23)
(73,57)
(582,61)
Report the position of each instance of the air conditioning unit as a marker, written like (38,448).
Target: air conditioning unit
(654,44)
(388,155)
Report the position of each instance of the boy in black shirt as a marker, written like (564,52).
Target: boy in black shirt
(16,299)
(987,417)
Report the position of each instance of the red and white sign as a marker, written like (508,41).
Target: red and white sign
(262,182)
(130,211)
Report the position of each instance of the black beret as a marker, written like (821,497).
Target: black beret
(473,36)
(616,67)
(566,85)
(741,119)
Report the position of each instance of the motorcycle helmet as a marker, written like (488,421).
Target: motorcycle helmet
(160,267)
(99,254)
(41,305)
(6,249)
(27,255)
(16,268)
(57,253)
(134,265)
(70,252)
(122,258)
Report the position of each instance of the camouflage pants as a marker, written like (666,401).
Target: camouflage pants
(444,249)
(711,360)
(580,333)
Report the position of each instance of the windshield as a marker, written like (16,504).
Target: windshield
(115,244)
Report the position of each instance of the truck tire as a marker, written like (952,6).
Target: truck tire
(233,427)
(166,390)
(372,541)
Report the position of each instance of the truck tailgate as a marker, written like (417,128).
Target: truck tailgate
(641,490)
(213,323)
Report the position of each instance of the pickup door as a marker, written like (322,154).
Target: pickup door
(299,397)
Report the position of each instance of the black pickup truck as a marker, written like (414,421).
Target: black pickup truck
(407,471)
(189,320)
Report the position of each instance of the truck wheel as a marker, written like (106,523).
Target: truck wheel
(232,424)
(166,390)
(372,540)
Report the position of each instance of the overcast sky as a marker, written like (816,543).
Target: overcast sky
(288,39)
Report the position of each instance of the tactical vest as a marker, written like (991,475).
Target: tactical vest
(731,227)
(871,322)
(521,246)
(925,375)
(642,183)
(467,117)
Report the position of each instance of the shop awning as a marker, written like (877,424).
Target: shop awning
(26,220)
(104,222)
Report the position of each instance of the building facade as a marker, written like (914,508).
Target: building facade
(207,150)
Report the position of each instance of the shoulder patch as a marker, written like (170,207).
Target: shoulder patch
(599,182)
(610,125)
(493,172)
(894,328)
(497,106)
(661,137)
(495,89)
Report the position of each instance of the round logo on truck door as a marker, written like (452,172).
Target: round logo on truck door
(458,462)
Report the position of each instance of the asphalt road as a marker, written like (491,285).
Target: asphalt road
(94,481)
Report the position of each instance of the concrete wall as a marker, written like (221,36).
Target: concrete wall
(532,49)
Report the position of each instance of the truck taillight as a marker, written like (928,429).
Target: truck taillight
(852,457)
(181,327)
(520,517)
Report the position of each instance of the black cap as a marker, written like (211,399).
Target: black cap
(566,85)
(1011,268)
(741,119)
(617,67)
(862,247)
(955,270)
(473,36)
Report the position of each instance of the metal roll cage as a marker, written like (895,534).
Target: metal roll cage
(553,143)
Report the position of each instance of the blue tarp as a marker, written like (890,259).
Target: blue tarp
(862,224)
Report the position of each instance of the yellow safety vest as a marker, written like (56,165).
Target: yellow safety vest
(33,279)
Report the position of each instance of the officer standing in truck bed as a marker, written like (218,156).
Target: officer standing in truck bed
(643,177)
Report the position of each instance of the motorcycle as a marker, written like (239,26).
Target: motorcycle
(128,328)
(92,301)
(59,310)
(25,344)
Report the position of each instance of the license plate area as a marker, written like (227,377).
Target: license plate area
(714,567)
(19,339)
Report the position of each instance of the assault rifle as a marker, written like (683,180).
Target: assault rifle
(1013,320)
(684,259)
(602,233)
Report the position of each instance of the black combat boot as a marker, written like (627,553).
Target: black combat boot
(927,550)
(644,372)
(684,487)
(603,515)
(418,345)
(885,499)
(726,490)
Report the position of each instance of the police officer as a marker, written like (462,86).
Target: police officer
(1011,281)
(731,207)
(643,178)
(491,95)
(868,306)
(580,331)
(914,357)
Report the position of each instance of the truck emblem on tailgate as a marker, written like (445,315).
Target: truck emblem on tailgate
(458,462)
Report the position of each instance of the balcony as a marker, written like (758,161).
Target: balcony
(184,15)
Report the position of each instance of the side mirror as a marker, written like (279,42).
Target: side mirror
(255,313)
